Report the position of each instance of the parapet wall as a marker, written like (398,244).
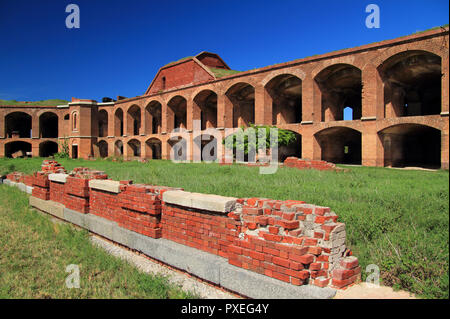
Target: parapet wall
(290,241)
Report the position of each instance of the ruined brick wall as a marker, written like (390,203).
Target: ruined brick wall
(204,230)
(288,240)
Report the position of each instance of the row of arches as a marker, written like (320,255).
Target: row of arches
(20,124)
(24,149)
(411,87)
(402,145)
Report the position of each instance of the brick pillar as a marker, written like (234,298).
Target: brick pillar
(444,148)
(169,119)
(317,102)
(125,123)
(143,128)
(111,123)
(35,126)
(372,94)
(224,111)
(308,100)
(369,140)
(2,124)
(307,144)
(444,84)
(165,149)
(263,106)
(35,148)
(192,113)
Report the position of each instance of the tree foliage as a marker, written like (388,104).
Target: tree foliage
(261,140)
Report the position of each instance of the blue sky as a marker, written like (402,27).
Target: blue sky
(120,45)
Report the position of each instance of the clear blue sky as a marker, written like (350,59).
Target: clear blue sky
(121,44)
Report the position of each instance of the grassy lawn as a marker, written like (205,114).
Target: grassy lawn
(35,253)
(396,219)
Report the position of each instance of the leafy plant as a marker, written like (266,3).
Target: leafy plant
(63,149)
(240,140)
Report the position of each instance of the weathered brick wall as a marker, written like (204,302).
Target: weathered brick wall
(57,191)
(288,240)
(204,230)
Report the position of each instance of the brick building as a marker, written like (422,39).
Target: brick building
(397,91)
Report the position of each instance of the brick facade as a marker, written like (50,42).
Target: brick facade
(399,119)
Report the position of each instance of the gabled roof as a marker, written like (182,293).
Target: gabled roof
(214,72)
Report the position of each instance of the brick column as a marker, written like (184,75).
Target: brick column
(263,106)
(111,123)
(370,144)
(2,124)
(444,84)
(372,94)
(143,128)
(308,100)
(444,148)
(224,111)
(35,126)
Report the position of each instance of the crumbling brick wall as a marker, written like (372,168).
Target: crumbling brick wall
(288,240)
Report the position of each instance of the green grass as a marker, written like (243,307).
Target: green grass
(222,72)
(51,102)
(35,253)
(396,219)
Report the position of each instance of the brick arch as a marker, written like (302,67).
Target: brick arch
(30,113)
(153,148)
(205,108)
(40,112)
(392,51)
(350,60)
(413,121)
(411,144)
(340,126)
(227,88)
(171,97)
(127,108)
(44,123)
(272,75)
(339,145)
(24,131)
(158,99)
(204,88)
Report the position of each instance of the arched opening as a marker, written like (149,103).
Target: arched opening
(118,122)
(153,117)
(48,125)
(285,91)
(118,148)
(412,84)
(134,120)
(102,123)
(242,98)
(102,149)
(340,87)
(48,148)
(411,145)
(134,148)
(207,145)
(153,148)
(17,149)
(176,113)
(178,148)
(340,145)
(294,149)
(18,124)
(206,102)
